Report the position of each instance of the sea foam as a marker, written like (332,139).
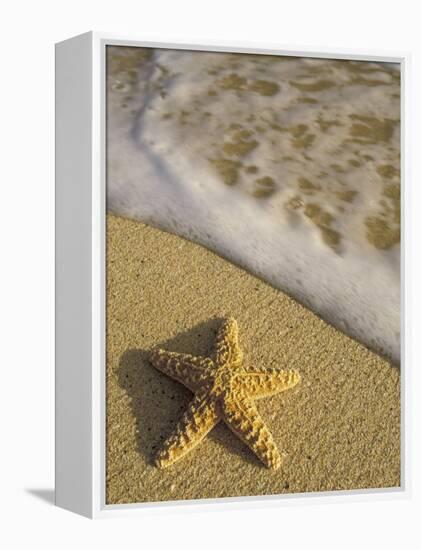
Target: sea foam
(287,166)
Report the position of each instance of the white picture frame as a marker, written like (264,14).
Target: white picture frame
(80,278)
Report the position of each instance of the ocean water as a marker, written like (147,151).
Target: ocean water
(289,167)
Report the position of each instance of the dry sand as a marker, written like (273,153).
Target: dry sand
(338,429)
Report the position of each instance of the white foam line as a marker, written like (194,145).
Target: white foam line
(156,175)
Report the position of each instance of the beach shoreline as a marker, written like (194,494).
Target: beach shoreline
(304,194)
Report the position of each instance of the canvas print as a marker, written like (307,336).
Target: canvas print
(253,275)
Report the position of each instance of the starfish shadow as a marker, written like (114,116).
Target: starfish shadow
(158,402)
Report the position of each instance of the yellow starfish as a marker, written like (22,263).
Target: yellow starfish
(223,390)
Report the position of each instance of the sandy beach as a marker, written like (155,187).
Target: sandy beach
(338,429)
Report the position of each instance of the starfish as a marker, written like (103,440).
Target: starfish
(223,390)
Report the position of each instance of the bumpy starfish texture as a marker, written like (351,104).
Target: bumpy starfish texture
(223,390)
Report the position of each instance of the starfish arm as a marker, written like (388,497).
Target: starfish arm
(200,417)
(242,417)
(227,349)
(258,383)
(185,368)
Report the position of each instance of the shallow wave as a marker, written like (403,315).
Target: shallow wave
(288,167)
